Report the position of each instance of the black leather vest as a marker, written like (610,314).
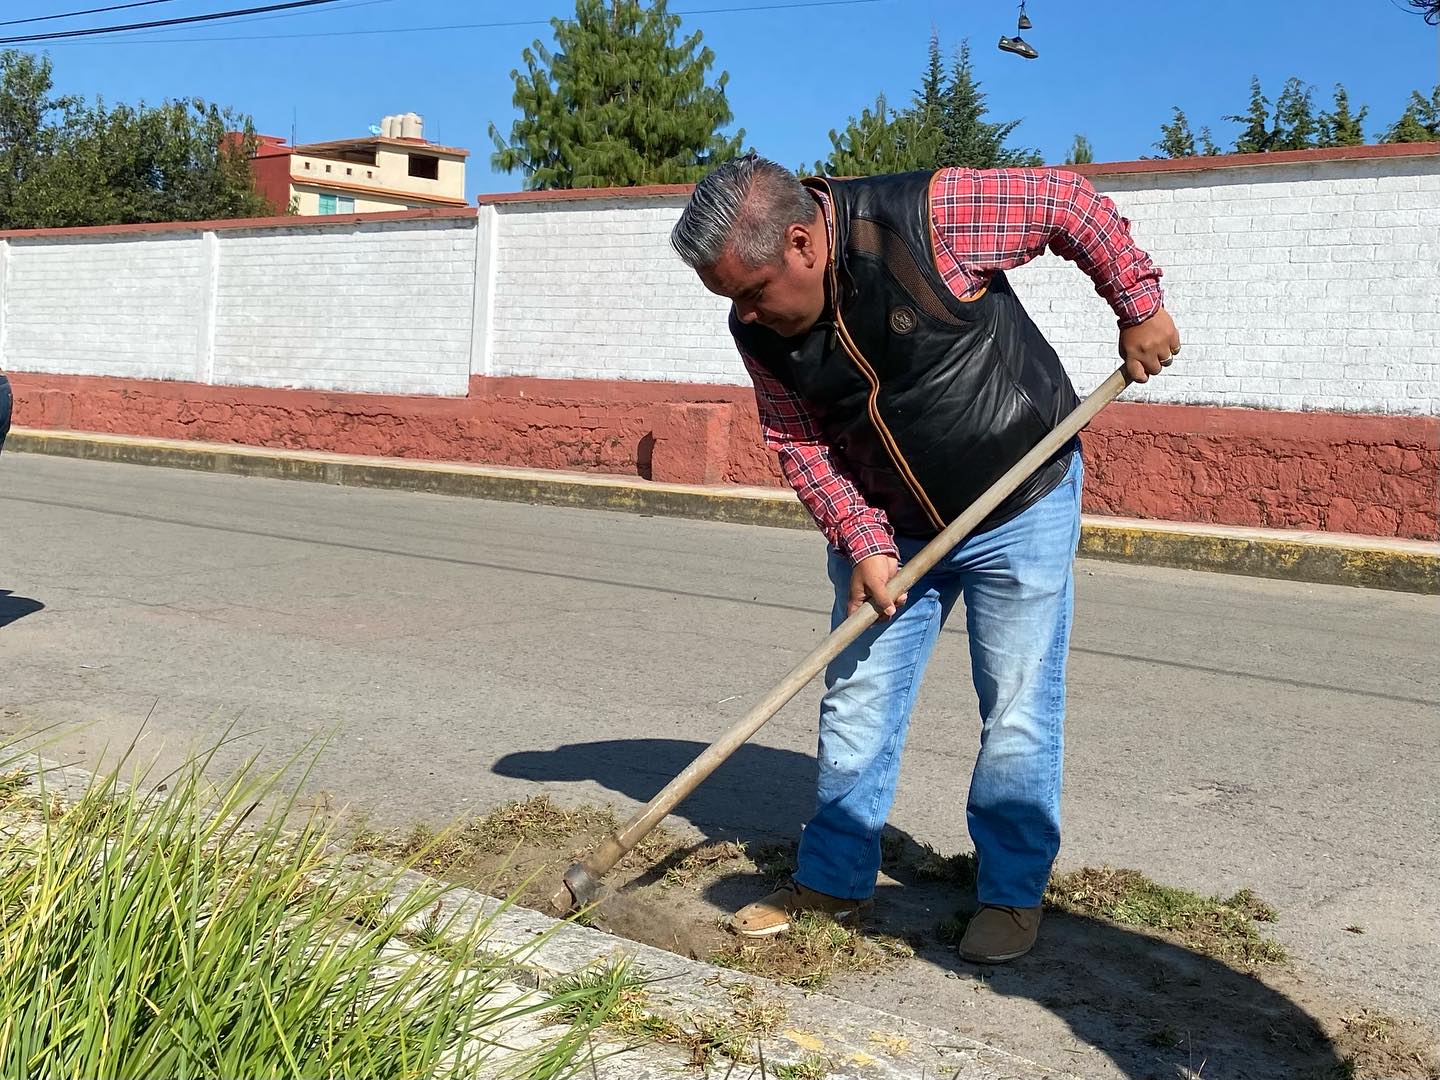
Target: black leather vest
(925,399)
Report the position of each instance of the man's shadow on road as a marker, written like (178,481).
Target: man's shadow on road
(14,608)
(1153,1007)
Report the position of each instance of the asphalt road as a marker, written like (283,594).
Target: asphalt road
(1224,731)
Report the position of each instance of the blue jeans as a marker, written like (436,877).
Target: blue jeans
(1017,583)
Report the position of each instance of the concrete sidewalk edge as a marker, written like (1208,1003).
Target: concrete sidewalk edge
(1329,558)
(855,1042)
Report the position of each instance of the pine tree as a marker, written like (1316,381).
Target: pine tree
(943,125)
(966,137)
(1338,126)
(882,141)
(1258,136)
(1207,144)
(930,98)
(1295,126)
(928,108)
(1420,121)
(1176,139)
(1081,152)
(620,101)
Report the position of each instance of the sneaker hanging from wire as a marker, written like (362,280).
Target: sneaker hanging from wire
(1019,46)
(1024,23)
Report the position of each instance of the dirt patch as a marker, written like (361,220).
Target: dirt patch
(519,851)
(1132,979)
(1380,1045)
(642,916)
(813,952)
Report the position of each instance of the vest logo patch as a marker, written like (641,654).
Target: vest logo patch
(902,320)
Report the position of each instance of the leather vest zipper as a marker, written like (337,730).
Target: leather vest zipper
(853,352)
(858,359)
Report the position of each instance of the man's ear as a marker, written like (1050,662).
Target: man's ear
(801,240)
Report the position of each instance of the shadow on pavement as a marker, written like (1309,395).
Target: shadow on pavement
(14,608)
(758,794)
(1154,1008)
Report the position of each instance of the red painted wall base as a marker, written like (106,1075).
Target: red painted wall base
(1377,475)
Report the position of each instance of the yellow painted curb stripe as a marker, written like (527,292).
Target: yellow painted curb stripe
(1306,557)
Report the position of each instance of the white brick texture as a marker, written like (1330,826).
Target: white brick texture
(379,308)
(591,290)
(382,307)
(1295,286)
(103,306)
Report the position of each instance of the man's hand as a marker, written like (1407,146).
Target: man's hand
(1148,346)
(870,583)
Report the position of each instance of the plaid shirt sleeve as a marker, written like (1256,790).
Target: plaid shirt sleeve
(993,219)
(856,529)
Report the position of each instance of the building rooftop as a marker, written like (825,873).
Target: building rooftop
(342,147)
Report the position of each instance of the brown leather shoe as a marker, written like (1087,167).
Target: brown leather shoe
(997,935)
(772,915)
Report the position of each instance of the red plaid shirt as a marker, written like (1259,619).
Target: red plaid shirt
(983,220)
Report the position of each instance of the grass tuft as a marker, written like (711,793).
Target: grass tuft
(812,1067)
(173,929)
(811,952)
(12,783)
(536,820)
(957,870)
(1221,928)
(1368,1026)
(756,1013)
(702,862)
(618,1001)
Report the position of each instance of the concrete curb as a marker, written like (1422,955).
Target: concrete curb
(1329,558)
(855,1042)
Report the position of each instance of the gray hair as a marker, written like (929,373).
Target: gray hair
(745,205)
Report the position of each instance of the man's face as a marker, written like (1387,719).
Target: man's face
(786,295)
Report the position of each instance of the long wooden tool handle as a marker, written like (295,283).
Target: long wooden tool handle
(615,848)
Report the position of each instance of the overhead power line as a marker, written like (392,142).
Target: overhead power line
(341,7)
(473,26)
(61,35)
(87,11)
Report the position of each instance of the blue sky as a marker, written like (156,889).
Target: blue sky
(1109,68)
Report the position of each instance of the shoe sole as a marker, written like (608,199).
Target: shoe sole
(1003,958)
(771,931)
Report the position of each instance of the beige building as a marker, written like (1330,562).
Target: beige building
(394,170)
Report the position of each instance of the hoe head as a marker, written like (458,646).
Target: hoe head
(579,888)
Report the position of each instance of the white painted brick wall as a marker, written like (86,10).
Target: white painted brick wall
(591,290)
(382,307)
(1296,286)
(1311,286)
(379,308)
(103,306)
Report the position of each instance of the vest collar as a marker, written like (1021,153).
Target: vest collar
(836,233)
